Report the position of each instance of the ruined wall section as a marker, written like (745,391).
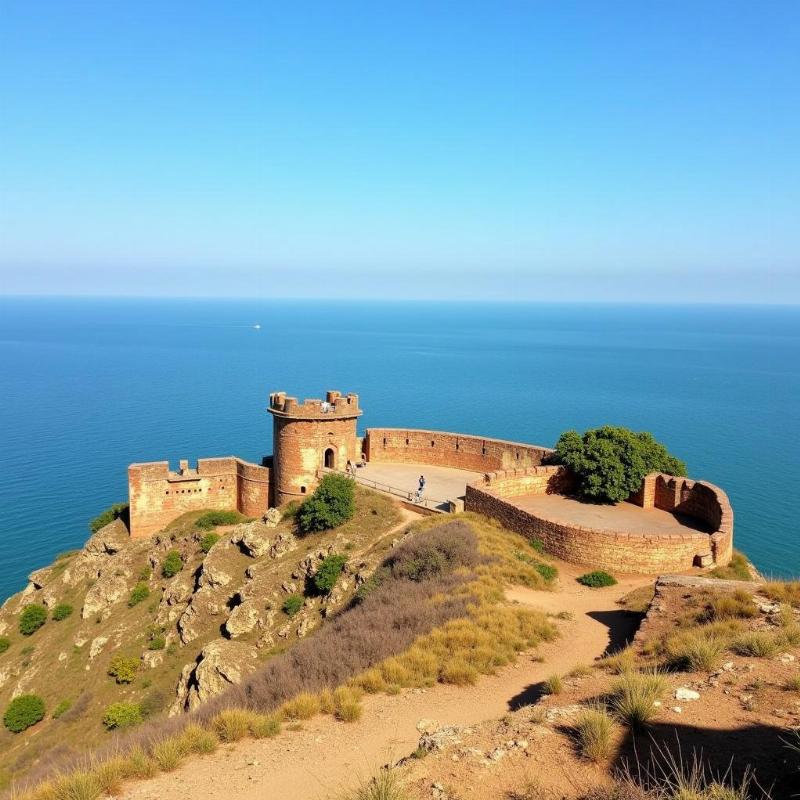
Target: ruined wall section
(439,448)
(641,551)
(158,495)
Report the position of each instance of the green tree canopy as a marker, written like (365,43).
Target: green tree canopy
(332,503)
(610,462)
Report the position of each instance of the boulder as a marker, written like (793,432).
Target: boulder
(108,590)
(271,518)
(108,541)
(98,643)
(682,693)
(254,538)
(40,577)
(242,619)
(284,543)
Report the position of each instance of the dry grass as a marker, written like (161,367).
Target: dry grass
(760,644)
(594,729)
(553,685)
(738,605)
(633,696)
(619,663)
(304,706)
(793,684)
(783,592)
(737,570)
(695,650)
(197,739)
(168,753)
(385,785)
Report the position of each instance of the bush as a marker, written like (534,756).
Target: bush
(5,643)
(610,462)
(173,564)
(548,572)
(61,708)
(208,541)
(122,715)
(31,619)
(140,592)
(213,518)
(328,573)
(123,668)
(597,579)
(593,729)
(292,604)
(332,504)
(23,711)
(109,515)
(62,611)
(157,643)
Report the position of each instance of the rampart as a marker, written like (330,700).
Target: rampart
(158,495)
(647,551)
(439,448)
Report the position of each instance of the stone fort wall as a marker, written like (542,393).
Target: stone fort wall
(158,495)
(439,448)
(643,551)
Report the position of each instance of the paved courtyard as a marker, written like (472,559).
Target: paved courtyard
(623,517)
(441,483)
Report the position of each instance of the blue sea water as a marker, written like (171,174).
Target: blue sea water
(90,385)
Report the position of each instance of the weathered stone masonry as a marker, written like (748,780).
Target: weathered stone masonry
(316,434)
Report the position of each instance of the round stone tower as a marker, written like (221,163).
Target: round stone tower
(308,436)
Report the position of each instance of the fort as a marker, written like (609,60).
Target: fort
(669,524)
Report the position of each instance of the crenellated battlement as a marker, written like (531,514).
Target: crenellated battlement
(335,404)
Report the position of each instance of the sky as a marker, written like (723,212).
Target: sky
(599,150)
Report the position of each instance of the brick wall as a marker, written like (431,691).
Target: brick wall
(609,549)
(476,453)
(157,495)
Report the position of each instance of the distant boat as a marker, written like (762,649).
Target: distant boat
(257,327)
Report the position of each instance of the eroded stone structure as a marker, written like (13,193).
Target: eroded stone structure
(315,435)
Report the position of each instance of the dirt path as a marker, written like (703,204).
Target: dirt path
(326,756)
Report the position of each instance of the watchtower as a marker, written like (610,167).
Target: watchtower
(308,436)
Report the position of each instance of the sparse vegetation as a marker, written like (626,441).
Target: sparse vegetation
(332,504)
(783,592)
(554,685)
(23,712)
(32,618)
(738,569)
(385,785)
(610,462)
(695,649)
(593,729)
(140,592)
(760,644)
(123,668)
(597,579)
(292,604)
(5,643)
(109,515)
(212,519)
(329,572)
(634,694)
(173,564)
(61,708)
(738,605)
(122,715)
(157,642)
(208,541)
(232,724)
(62,611)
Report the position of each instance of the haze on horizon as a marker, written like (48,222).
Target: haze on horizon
(624,151)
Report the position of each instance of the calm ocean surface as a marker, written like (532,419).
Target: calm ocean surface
(89,386)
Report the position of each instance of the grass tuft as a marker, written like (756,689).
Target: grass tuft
(594,729)
(232,724)
(755,643)
(634,694)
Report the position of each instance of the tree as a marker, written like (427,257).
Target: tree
(610,462)
(328,573)
(332,504)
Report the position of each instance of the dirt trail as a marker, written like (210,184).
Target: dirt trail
(326,756)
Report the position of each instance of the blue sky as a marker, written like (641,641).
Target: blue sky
(534,150)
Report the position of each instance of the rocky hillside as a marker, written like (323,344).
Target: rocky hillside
(162,624)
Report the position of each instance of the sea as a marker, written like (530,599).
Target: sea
(88,386)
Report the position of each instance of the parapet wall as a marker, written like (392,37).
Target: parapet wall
(439,448)
(642,551)
(158,495)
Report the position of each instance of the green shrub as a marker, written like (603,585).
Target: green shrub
(213,518)
(548,572)
(31,619)
(140,592)
(332,504)
(208,541)
(123,668)
(122,715)
(5,643)
(173,564)
(610,462)
(289,511)
(109,515)
(145,573)
(597,579)
(61,708)
(537,545)
(157,643)
(23,711)
(328,573)
(292,604)
(62,611)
